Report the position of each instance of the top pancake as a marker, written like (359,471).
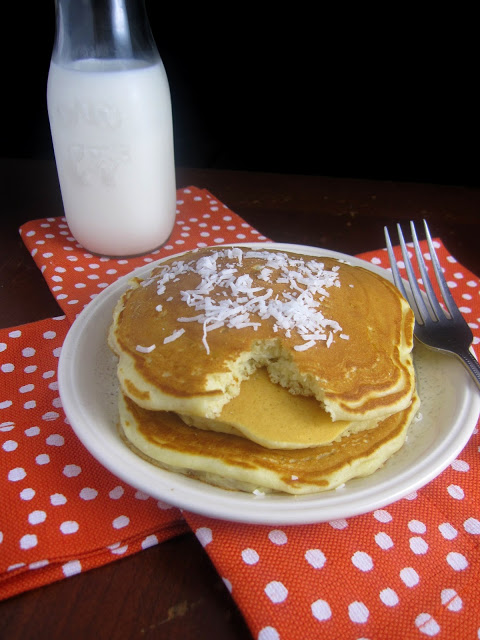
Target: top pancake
(189,334)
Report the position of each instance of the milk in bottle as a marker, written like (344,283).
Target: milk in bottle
(111,125)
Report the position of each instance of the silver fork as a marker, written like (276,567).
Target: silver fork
(447,330)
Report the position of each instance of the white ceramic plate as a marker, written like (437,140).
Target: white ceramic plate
(88,390)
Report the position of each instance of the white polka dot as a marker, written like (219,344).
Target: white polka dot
(71,470)
(268,633)
(49,335)
(460,465)
(28,541)
(250,556)
(277,537)
(362,561)
(338,524)
(69,526)
(411,496)
(55,440)
(456,492)
(204,535)
(17,474)
(8,367)
(50,416)
(9,445)
(321,610)
(28,352)
(389,597)
(149,541)
(87,493)
(27,494)
(38,565)
(42,459)
(121,522)
(36,517)
(427,625)
(117,550)
(383,540)
(416,526)
(276,591)
(117,493)
(4,404)
(451,600)
(31,404)
(71,568)
(57,499)
(140,495)
(164,506)
(14,334)
(448,531)
(418,545)
(409,577)
(472,525)
(457,561)
(315,558)
(358,612)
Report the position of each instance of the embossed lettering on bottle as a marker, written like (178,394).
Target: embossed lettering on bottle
(92,164)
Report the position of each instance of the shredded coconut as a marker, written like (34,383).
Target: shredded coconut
(223,298)
(174,336)
(145,349)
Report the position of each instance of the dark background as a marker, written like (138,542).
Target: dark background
(385,94)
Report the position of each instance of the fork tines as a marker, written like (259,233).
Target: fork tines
(429,307)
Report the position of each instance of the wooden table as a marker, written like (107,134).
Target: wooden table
(172,590)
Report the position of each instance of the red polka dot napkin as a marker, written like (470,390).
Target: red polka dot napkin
(62,512)
(406,571)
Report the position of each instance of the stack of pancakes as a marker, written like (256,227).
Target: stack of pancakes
(263,370)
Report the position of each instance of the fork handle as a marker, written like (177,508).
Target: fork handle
(471,364)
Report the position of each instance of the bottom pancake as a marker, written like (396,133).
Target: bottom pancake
(233,462)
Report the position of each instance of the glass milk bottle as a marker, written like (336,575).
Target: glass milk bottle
(111,123)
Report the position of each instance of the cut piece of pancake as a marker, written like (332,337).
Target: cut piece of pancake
(234,462)
(189,334)
(271,416)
